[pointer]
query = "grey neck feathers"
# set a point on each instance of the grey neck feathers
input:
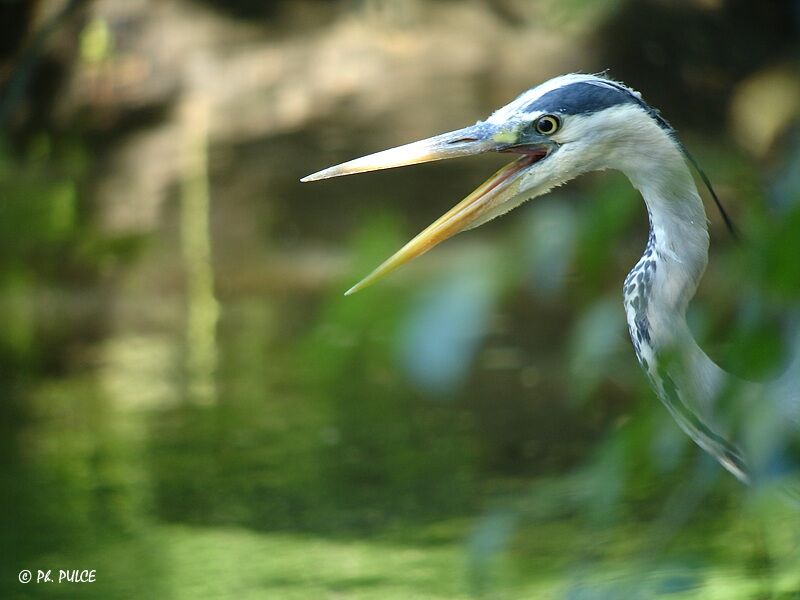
(657, 292)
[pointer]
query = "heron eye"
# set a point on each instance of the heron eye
(547, 124)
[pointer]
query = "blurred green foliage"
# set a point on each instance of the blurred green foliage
(477, 426)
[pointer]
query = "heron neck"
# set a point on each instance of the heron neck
(678, 241)
(657, 292)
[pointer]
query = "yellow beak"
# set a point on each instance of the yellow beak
(488, 201)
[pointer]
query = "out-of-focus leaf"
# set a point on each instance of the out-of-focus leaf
(549, 245)
(445, 326)
(596, 339)
(486, 546)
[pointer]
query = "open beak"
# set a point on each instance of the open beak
(492, 198)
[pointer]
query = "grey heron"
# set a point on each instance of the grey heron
(577, 123)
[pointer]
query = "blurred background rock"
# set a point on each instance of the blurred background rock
(190, 406)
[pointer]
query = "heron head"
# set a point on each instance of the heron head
(560, 129)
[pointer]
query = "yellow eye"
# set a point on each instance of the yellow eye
(547, 124)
